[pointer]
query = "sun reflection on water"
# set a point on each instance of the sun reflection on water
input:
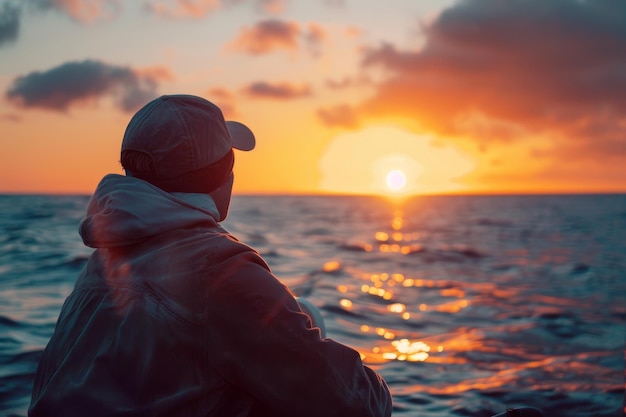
(332, 266)
(449, 309)
(390, 288)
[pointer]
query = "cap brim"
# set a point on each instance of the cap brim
(241, 136)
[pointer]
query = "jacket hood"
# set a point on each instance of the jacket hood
(125, 210)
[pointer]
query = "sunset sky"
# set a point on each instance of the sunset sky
(344, 96)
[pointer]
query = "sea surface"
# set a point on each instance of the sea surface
(466, 305)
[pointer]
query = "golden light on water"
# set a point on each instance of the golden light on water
(384, 284)
(384, 294)
(402, 350)
(391, 287)
(331, 266)
(396, 308)
(453, 306)
(399, 346)
(397, 222)
(381, 236)
(415, 351)
(396, 241)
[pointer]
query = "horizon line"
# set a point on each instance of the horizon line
(338, 194)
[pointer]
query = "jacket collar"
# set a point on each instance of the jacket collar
(125, 210)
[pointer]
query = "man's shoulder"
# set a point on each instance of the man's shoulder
(221, 246)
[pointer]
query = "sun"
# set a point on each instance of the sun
(390, 161)
(395, 180)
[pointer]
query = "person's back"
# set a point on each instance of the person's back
(173, 316)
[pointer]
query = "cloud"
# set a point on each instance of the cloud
(281, 91)
(9, 22)
(267, 36)
(272, 35)
(348, 82)
(10, 117)
(271, 6)
(76, 82)
(182, 8)
(197, 9)
(504, 70)
(84, 11)
(315, 35)
(225, 100)
(220, 93)
(341, 115)
(314, 38)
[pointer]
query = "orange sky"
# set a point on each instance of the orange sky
(474, 96)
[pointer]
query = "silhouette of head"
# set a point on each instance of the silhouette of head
(181, 143)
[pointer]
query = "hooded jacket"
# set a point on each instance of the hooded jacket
(173, 316)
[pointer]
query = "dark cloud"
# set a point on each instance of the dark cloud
(75, 82)
(277, 91)
(505, 67)
(9, 22)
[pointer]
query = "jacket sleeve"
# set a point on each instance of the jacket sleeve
(262, 343)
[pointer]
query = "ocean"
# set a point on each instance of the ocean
(466, 305)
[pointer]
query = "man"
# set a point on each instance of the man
(173, 316)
